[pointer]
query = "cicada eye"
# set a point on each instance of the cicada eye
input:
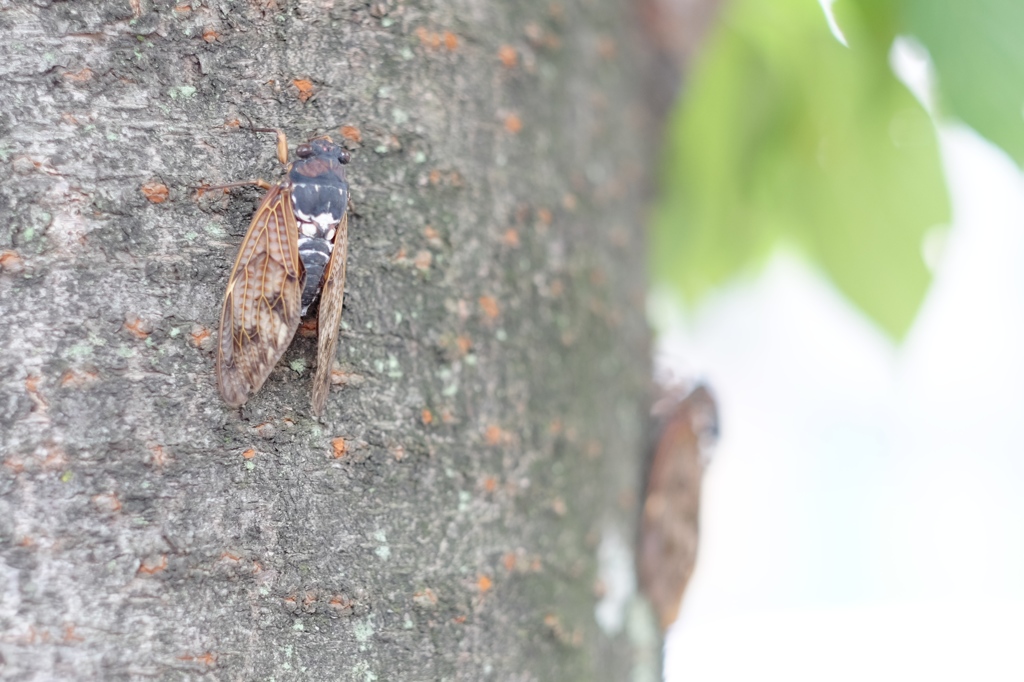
(303, 151)
(344, 156)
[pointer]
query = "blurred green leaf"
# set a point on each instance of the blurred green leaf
(977, 47)
(786, 136)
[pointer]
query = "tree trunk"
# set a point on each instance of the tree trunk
(465, 508)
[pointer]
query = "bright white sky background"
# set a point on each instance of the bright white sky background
(863, 515)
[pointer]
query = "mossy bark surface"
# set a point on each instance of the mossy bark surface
(467, 500)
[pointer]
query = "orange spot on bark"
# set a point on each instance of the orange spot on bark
(510, 238)
(509, 561)
(75, 379)
(136, 326)
(606, 47)
(249, 454)
(425, 598)
(107, 502)
(508, 56)
(423, 260)
(569, 202)
(308, 328)
(15, 464)
(451, 41)
(351, 133)
(156, 192)
(428, 38)
(483, 583)
(200, 336)
(513, 123)
(427, 417)
(490, 484)
(544, 216)
(434, 177)
(494, 435)
(152, 566)
(339, 446)
(70, 636)
(10, 261)
(305, 88)
(32, 386)
(228, 556)
(464, 343)
(206, 659)
(459, 620)
(432, 236)
(158, 456)
(210, 36)
(79, 76)
(490, 307)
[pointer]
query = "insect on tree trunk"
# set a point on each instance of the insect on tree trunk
(465, 508)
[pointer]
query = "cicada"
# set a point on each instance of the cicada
(293, 253)
(669, 523)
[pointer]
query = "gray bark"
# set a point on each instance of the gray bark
(493, 362)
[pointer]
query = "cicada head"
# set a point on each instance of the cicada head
(322, 147)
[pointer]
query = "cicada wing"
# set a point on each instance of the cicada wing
(263, 302)
(332, 297)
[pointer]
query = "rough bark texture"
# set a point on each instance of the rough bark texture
(463, 505)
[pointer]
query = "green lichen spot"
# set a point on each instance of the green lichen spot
(399, 116)
(297, 625)
(215, 230)
(393, 370)
(181, 91)
(67, 476)
(80, 349)
(250, 465)
(363, 630)
(419, 157)
(464, 499)
(387, 22)
(298, 365)
(174, 332)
